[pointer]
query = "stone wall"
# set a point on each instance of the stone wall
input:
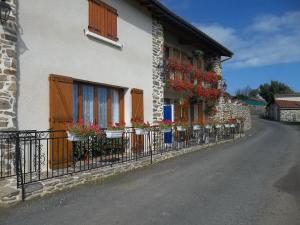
(8, 70)
(226, 108)
(233, 109)
(8, 86)
(290, 115)
(158, 80)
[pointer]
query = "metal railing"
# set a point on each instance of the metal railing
(39, 155)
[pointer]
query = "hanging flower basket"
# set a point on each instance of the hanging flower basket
(114, 133)
(141, 131)
(196, 127)
(74, 138)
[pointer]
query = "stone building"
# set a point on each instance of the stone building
(117, 62)
(103, 62)
(284, 111)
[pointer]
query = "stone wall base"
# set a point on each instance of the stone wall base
(10, 195)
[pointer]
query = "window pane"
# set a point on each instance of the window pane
(75, 103)
(115, 106)
(102, 107)
(88, 104)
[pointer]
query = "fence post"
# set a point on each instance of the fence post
(19, 172)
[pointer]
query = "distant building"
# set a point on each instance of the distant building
(256, 105)
(286, 108)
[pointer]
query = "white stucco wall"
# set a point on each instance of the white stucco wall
(52, 40)
(296, 99)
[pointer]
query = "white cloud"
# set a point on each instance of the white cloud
(269, 40)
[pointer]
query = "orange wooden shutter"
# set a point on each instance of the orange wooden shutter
(112, 24)
(97, 17)
(103, 19)
(122, 106)
(137, 98)
(200, 114)
(61, 101)
(177, 112)
(137, 104)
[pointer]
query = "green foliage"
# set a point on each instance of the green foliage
(246, 93)
(268, 90)
(99, 146)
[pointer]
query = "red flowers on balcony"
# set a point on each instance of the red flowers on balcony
(208, 93)
(212, 78)
(180, 85)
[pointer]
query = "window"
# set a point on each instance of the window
(115, 106)
(103, 19)
(102, 107)
(97, 104)
(88, 104)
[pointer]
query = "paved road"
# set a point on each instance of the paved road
(255, 180)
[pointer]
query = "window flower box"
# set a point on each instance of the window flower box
(140, 127)
(114, 133)
(181, 128)
(165, 125)
(196, 127)
(141, 131)
(74, 138)
(208, 127)
(166, 130)
(81, 132)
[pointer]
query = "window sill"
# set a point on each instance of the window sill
(103, 39)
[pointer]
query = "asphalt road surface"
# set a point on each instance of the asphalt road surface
(254, 180)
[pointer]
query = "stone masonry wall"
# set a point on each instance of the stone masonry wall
(158, 81)
(8, 86)
(227, 109)
(290, 115)
(8, 70)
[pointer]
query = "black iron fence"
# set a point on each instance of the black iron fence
(39, 155)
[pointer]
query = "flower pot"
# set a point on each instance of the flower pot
(181, 128)
(141, 131)
(74, 138)
(232, 125)
(196, 127)
(166, 130)
(114, 133)
(208, 126)
(227, 126)
(218, 126)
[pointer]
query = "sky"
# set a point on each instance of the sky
(263, 34)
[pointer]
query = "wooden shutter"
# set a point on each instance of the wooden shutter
(137, 104)
(200, 114)
(177, 112)
(61, 101)
(137, 98)
(112, 24)
(97, 17)
(181, 114)
(103, 19)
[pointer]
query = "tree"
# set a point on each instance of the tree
(268, 90)
(246, 93)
